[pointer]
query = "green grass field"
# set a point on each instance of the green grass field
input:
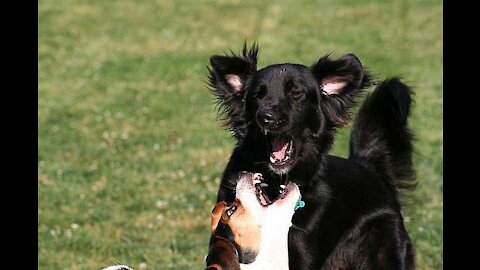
(130, 150)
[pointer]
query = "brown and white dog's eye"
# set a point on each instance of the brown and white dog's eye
(231, 210)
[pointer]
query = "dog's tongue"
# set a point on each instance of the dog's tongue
(279, 148)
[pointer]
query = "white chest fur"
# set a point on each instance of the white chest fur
(273, 254)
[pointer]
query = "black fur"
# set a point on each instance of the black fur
(352, 217)
(380, 137)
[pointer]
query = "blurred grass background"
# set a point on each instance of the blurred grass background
(130, 151)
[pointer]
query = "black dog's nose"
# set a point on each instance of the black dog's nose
(271, 119)
(266, 116)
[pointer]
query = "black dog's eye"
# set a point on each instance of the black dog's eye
(261, 92)
(296, 94)
(231, 210)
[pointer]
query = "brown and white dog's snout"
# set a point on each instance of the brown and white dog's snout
(248, 234)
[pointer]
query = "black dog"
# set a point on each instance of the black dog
(284, 118)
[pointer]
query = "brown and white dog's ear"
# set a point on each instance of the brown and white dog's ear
(217, 214)
(222, 255)
(340, 82)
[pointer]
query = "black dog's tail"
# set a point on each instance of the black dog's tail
(380, 138)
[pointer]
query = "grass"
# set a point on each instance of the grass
(130, 151)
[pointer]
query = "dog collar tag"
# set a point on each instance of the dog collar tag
(299, 204)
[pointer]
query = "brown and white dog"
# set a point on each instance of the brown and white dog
(247, 235)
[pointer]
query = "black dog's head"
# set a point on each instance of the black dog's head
(294, 108)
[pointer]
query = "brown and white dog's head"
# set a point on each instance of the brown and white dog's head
(239, 228)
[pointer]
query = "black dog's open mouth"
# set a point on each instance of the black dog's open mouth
(281, 153)
(266, 194)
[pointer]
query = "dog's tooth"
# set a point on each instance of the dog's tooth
(282, 186)
(257, 176)
(273, 160)
(257, 181)
(287, 157)
(263, 185)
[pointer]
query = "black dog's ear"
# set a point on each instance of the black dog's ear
(227, 78)
(340, 81)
